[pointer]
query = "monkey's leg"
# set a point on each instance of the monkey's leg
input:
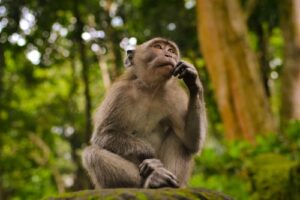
(176, 158)
(109, 170)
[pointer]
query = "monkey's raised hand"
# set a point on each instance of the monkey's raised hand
(189, 74)
(156, 175)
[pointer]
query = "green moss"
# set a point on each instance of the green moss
(270, 174)
(141, 196)
(144, 194)
(93, 198)
(187, 194)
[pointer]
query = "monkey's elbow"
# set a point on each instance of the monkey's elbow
(193, 149)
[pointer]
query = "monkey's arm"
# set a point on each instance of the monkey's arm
(195, 123)
(195, 117)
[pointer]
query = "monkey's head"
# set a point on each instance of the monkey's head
(156, 57)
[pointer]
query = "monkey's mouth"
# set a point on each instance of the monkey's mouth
(167, 63)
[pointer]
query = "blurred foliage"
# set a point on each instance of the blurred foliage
(268, 170)
(42, 101)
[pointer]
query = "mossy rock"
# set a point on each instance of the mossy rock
(143, 194)
(274, 177)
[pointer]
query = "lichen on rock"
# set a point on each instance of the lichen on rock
(143, 194)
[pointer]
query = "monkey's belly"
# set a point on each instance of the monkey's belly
(155, 139)
(154, 136)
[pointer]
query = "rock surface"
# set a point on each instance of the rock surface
(143, 194)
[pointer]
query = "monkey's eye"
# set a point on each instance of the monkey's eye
(157, 46)
(171, 50)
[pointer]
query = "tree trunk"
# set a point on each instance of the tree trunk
(234, 69)
(81, 180)
(263, 54)
(2, 66)
(84, 72)
(290, 24)
(85, 78)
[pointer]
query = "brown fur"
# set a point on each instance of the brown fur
(144, 115)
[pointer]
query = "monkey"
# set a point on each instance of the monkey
(148, 127)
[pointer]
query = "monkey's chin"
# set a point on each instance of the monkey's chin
(167, 67)
(166, 70)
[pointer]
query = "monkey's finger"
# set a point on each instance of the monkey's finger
(170, 181)
(143, 171)
(172, 176)
(153, 182)
(155, 162)
(178, 69)
(173, 183)
(148, 166)
(144, 164)
(147, 171)
(152, 163)
(147, 183)
(183, 73)
(141, 166)
(179, 63)
(192, 72)
(167, 173)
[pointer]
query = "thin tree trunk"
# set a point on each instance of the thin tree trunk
(74, 85)
(263, 54)
(102, 61)
(104, 71)
(233, 68)
(290, 24)
(84, 72)
(85, 78)
(81, 180)
(114, 52)
(2, 66)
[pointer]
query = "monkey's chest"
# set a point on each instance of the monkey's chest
(150, 123)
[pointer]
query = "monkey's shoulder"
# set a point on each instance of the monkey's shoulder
(124, 98)
(120, 90)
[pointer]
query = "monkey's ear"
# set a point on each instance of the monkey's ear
(129, 58)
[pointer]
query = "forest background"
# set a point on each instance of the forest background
(58, 58)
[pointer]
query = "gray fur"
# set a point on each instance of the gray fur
(145, 116)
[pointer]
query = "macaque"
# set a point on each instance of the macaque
(148, 128)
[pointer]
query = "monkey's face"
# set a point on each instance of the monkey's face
(158, 57)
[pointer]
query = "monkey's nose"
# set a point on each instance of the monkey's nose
(168, 55)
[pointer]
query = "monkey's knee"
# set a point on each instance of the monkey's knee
(89, 156)
(108, 170)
